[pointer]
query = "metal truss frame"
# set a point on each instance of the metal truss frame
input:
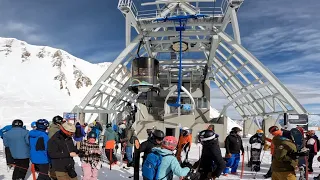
(249, 86)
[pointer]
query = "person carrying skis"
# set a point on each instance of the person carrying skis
(61, 151)
(162, 164)
(55, 126)
(17, 139)
(257, 142)
(90, 157)
(110, 141)
(79, 134)
(38, 148)
(312, 143)
(185, 141)
(211, 163)
(154, 141)
(285, 157)
(233, 144)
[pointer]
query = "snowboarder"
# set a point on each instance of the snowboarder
(313, 145)
(61, 151)
(185, 139)
(90, 157)
(257, 142)
(79, 134)
(110, 141)
(233, 144)
(211, 163)
(162, 164)
(154, 141)
(17, 139)
(38, 148)
(55, 126)
(285, 156)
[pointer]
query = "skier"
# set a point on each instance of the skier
(55, 126)
(233, 144)
(79, 134)
(185, 141)
(211, 163)
(313, 145)
(110, 141)
(17, 139)
(162, 164)
(9, 158)
(154, 141)
(90, 157)
(122, 135)
(33, 125)
(61, 151)
(285, 156)
(128, 143)
(257, 142)
(38, 148)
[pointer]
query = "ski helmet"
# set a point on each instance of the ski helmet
(169, 142)
(17, 123)
(273, 129)
(259, 131)
(158, 134)
(185, 131)
(33, 124)
(92, 134)
(236, 129)
(42, 124)
(57, 120)
(109, 125)
(207, 135)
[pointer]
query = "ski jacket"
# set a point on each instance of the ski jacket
(79, 134)
(233, 144)
(257, 139)
(90, 153)
(146, 147)
(110, 138)
(53, 128)
(4, 130)
(282, 162)
(17, 139)
(211, 159)
(59, 148)
(313, 144)
(185, 140)
(129, 136)
(169, 165)
(97, 131)
(38, 147)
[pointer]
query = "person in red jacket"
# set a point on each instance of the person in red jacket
(184, 139)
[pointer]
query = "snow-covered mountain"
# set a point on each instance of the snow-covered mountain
(40, 81)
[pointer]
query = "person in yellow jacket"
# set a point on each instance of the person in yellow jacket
(184, 139)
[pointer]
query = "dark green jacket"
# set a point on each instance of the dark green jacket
(110, 134)
(53, 128)
(129, 136)
(282, 162)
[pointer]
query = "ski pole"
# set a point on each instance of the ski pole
(242, 167)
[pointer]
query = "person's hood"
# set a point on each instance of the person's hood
(162, 151)
(109, 129)
(54, 126)
(36, 133)
(78, 126)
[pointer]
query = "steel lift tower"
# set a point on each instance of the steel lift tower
(209, 54)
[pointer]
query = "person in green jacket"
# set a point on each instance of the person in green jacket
(55, 126)
(110, 142)
(128, 141)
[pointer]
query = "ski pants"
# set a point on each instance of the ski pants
(89, 172)
(129, 153)
(310, 161)
(233, 163)
(9, 157)
(43, 170)
(269, 173)
(21, 168)
(284, 175)
(114, 157)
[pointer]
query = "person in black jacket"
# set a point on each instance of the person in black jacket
(257, 141)
(211, 163)
(154, 141)
(61, 151)
(233, 144)
(312, 143)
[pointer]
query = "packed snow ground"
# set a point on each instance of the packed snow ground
(118, 172)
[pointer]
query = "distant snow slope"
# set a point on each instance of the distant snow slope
(231, 123)
(40, 82)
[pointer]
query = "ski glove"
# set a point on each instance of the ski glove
(192, 175)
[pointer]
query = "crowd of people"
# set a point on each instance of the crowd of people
(51, 149)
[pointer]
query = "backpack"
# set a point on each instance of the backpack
(78, 133)
(151, 164)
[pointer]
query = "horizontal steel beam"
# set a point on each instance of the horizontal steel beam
(184, 40)
(204, 23)
(184, 33)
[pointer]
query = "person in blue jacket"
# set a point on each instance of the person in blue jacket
(9, 158)
(79, 134)
(17, 139)
(38, 148)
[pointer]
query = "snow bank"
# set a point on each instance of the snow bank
(231, 123)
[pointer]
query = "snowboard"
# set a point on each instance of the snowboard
(185, 152)
(297, 135)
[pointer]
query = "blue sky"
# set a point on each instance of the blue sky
(283, 34)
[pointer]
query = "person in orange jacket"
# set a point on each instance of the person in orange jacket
(184, 139)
